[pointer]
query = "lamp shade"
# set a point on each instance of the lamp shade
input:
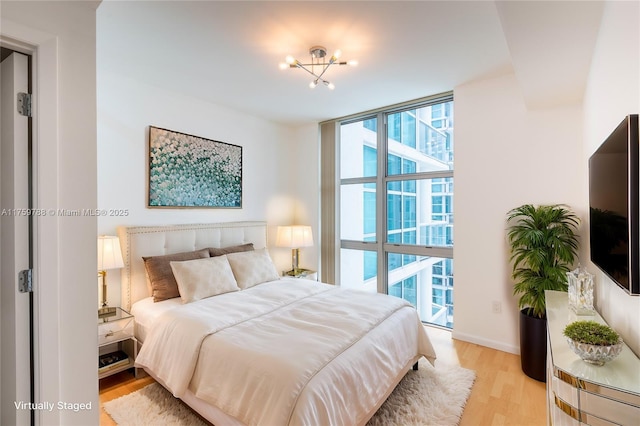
(109, 253)
(294, 236)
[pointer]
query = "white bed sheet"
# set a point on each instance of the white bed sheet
(146, 312)
(363, 375)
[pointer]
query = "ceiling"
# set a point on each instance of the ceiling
(228, 52)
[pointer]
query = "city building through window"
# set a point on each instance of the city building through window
(395, 204)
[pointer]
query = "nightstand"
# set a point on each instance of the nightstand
(302, 273)
(115, 337)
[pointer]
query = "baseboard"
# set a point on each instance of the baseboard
(500, 346)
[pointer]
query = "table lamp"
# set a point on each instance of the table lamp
(294, 237)
(109, 257)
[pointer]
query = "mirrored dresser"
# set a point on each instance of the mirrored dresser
(583, 394)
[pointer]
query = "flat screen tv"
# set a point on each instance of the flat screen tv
(614, 206)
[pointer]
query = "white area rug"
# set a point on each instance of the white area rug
(429, 396)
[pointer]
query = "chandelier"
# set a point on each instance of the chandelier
(318, 65)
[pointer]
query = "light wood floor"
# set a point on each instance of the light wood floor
(501, 394)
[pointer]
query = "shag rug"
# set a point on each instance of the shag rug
(429, 396)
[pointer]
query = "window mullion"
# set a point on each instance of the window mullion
(358, 245)
(420, 176)
(355, 181)
(381, 203)
(444, 252)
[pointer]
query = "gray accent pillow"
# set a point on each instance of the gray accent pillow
(215, 251)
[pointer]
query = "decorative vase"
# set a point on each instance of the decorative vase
(595, 354)
(580, 291)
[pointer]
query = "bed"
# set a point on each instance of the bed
(252, 348)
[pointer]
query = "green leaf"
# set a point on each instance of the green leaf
(543, 245)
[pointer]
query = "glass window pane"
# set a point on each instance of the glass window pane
(409, 166)
(409, 290)
(369, 213)
(371, 124)
(394, 261)
(436, 205)
(394, 212)
(409, 186)
(359, 270)
(358, 145)
(396, 290)
(393, 127)
(423, 284)
(409, 211)
(394, 167)
(370, 264)
(409, 129)
(420, 210)
(357, 212)
(402, 128)
(370, 161)
(408, 237)
(395, 237)
(423, 136)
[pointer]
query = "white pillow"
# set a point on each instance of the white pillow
(252, 267)
(201, 278)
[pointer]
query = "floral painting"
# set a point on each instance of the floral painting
(189, 171)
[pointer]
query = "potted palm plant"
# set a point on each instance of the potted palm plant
(543, 245)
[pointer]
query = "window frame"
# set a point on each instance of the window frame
(331, 182)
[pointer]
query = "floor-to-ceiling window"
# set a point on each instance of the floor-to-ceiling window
(396, 205)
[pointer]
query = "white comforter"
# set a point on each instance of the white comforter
(275, 354)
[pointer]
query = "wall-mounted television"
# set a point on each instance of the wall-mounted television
(614, 205)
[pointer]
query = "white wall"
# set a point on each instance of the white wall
(272, 159)
(65, 162)
(614, 92)
(305, 163)
(506, 156)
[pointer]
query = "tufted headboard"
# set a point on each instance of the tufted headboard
(139, 241)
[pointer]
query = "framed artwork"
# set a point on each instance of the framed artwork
(190, 171)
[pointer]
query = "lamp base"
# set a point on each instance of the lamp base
(106, 312)
(298, 273)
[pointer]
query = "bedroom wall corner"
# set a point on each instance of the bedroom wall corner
(506, 155)
(305, 167)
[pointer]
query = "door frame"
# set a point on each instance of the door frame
(18, 343)
(43, 50)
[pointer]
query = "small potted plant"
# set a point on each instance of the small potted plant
(595, 343)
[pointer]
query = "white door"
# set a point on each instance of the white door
(15, 352)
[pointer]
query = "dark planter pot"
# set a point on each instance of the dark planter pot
(533, 346)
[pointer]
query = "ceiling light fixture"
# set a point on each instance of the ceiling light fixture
(318, 65)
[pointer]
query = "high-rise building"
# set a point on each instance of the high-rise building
(417, 183)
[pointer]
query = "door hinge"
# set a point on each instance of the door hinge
(24, 104)
(25, 281)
